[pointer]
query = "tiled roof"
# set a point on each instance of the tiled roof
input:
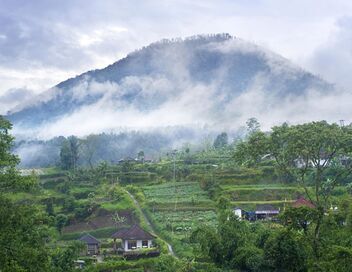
(133, 233)
(265, 207)
(89, 239)
(302, 202)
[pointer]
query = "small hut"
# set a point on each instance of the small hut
(133, 238)
(93, 244)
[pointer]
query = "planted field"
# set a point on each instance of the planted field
(177, 226)
(183, 222)
(180, 192)
(263, 194)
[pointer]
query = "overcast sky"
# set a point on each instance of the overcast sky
(43, 42)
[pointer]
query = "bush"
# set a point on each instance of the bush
(249, 258)
(283, 252)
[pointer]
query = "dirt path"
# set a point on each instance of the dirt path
(146, 220)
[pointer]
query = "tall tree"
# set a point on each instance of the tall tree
(9, 176)
(74, 144)
(65, 156)
(22, 231)
(252, 125)
(69, 153)
(221, 140)
(90, 145)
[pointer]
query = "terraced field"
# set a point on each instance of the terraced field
(180, 192)
(182, 223)
(176, 209)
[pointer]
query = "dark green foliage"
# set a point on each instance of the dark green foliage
(249, 258)
(62, 259)
(299, 218)
(60, 221)
(65, 156)
(69, 204)
(49, 203)
(22, 238)
(69, 153)
(222, 244)
(284, 252)
(22, 227)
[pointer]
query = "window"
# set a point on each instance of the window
(132, 244)
(145, 243)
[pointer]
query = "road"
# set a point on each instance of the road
(146, 220)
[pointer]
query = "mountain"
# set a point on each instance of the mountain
(202, 80)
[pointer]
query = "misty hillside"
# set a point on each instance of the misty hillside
(214, 80)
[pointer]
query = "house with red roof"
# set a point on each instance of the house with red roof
(302, 202)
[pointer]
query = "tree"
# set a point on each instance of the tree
(69, 153)
(249, 258)
(221, 244)
(22, 238)
(10, 180)
(299, 218)
(284, 253)
(221, 140)
(62, 259)
(252, 125)
(308, 153)
(61, 221)
(22, 231)
(65, 156)
(49, 206)
(140, 156)
(90, 145)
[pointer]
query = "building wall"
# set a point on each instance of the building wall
(92, 249)
(139, 244)
(238, 213)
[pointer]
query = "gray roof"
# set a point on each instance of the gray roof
(133, 233)
(266, 207)
(89, 239)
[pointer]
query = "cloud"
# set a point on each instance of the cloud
(272, 110)
(13, 98)
(196, 107)
(50, 41)
(333, 59)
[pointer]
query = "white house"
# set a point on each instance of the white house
(134, 238)
(240, 213)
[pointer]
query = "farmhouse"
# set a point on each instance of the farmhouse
(133, 238)
(92, 244)
(266, 211)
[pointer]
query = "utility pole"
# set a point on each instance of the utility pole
(174, 152)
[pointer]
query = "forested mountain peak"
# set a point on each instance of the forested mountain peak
(203, 79)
